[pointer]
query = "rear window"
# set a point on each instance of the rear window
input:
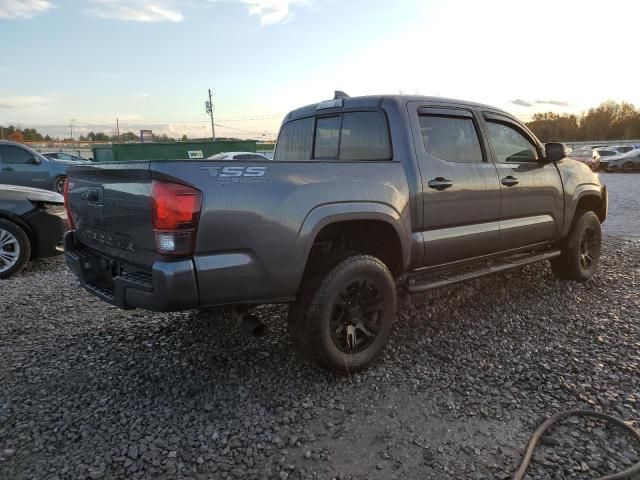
(351, 136)
(327, 137)
(364, 137)
(295, 141)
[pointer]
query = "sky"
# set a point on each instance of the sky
(149, 63)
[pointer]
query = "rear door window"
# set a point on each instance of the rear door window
(451, 138)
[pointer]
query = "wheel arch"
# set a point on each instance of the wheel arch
(586, 197)
(369, 217)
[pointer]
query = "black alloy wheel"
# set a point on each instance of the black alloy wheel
(355, 317)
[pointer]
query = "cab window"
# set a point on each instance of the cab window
(327, 137)
(364, 136)
(295, 141)
(352, 137)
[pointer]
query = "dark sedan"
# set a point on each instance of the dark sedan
(32, 223)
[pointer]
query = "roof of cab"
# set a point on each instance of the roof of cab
(374, 101)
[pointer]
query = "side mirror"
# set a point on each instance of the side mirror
(555, 152)
(34, 161)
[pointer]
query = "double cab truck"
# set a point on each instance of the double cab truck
(365, 197)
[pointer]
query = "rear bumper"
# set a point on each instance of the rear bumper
(166, 286)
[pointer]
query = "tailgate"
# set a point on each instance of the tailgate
(111, 207)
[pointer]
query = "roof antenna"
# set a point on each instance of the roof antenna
(339, 94)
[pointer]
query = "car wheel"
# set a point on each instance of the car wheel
(15, 248)
(581, 250)
(59, 185)
(628, 167)
(344, 322)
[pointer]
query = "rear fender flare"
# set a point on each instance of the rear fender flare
(327, 214)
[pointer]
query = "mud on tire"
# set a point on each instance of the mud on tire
(343, 320)
(581, 250)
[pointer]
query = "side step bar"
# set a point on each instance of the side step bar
(419, 287)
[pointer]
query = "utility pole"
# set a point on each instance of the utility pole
(117, 129)
(209, 106)
(71, 122)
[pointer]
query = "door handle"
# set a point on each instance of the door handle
(440, 183)
(509, 181)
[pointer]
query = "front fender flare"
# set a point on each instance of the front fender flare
(580, 192)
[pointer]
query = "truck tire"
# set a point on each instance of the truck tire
(344, 321)
(581, 249)
(15, 248)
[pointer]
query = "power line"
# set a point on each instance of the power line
(243, 130)
(244, 107)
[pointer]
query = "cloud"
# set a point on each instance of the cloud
(271, 11)
(25, 101)
(525, 103)
(522, 103)
(557, 103)
(137, 10)
(23, 8)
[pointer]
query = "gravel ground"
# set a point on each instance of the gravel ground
(89, 391)
(624, 211)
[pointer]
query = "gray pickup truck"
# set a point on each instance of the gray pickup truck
(365, 197)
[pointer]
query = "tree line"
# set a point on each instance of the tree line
(609, 121)
(19, 135)
(16, 134)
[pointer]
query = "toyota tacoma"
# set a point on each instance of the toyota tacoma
(365, 197)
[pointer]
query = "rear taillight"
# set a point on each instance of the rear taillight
(67, 206)
(175, 211)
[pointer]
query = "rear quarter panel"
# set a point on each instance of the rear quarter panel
(255, 232)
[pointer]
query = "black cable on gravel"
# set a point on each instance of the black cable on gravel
(547, 424)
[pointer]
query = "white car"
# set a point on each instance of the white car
(238, 156)
(620, 149)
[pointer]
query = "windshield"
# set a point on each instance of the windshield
(607, 153)
(581, 153)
